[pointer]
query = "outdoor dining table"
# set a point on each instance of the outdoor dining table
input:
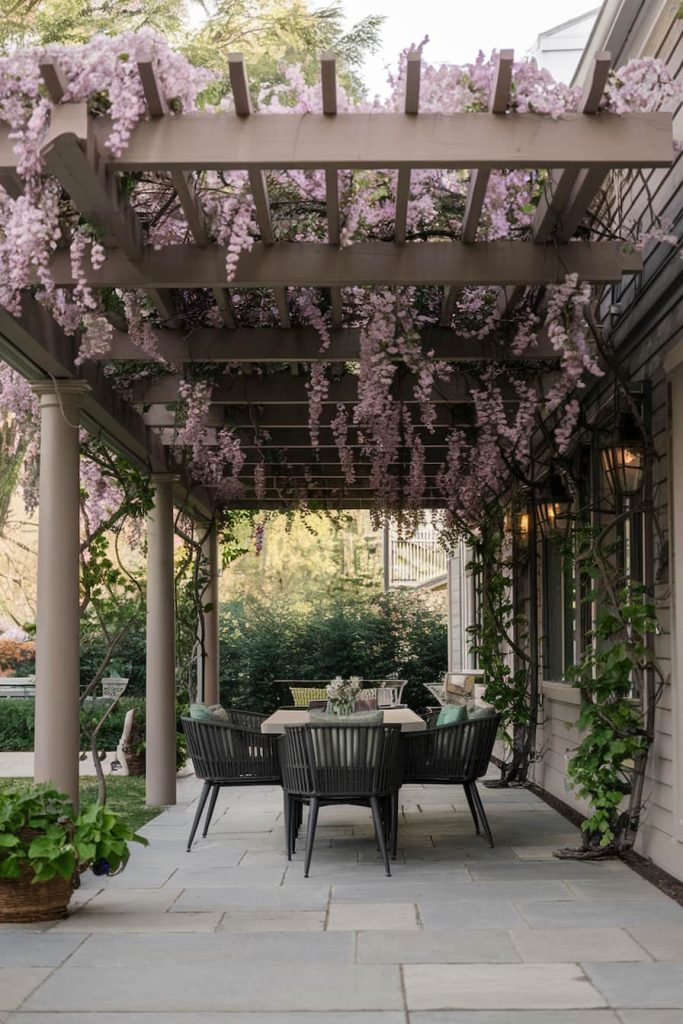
(280, 719)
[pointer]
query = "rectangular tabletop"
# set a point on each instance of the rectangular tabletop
(407, 719)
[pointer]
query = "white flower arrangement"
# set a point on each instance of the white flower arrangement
(344, 689)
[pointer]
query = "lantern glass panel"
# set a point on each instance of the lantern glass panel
(624, 466)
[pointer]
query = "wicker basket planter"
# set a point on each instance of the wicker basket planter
(23, 901)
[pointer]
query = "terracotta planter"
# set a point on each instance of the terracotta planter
(22, 901)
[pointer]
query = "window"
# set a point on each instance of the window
(559, 611)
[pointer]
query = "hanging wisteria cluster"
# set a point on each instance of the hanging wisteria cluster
(479, 456)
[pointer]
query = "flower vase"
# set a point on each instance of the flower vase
(342, 706)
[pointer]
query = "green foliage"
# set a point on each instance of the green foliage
(507, 689)
(271, 33)
(17, 724)
(31, 22)
(615, 654)
(125, 796)
(40, 830)
(372, 635)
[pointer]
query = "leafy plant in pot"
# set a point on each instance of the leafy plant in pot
(45, 846)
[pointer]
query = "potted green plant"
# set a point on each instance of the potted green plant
(45, 846)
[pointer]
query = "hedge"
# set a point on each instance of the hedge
(16, 722)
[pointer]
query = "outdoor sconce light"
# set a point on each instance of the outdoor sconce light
(521, 528)
(553, 508)
(623, 457)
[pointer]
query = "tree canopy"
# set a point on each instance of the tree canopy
(268, 32)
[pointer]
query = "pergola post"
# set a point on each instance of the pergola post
(161, 711)
(57, 727)
(208, 657)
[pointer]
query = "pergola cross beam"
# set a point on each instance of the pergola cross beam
(562, 203)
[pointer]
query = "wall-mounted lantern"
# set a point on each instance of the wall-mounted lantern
(553, 507)
(623, 457)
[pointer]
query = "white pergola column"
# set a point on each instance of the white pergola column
(208, 660)
(57, 727)
(161, 714)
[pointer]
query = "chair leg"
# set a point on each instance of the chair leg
(394, 825)
(471, 805)
(379, 832)
(209, 813)
(310, 835)
(198, 813)
(481, 814)
(287, 802)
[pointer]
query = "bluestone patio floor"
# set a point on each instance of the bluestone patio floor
(233, 934)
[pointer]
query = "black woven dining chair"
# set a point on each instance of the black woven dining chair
(456, 754)
(230, 753)
(340, 764)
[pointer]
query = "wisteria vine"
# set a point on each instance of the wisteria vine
(398, 376)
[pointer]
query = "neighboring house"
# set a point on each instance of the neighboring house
(419, 562)
(559, 49)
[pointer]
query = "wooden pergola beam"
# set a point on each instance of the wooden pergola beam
(549, 212)
(479, 179)
(223, 300)
(276, 502)
(327, 454)
(302, 345)
(257, 177)
(95, 195)
(328, 78)
(268, 416)
(276, 388)
(224, 141)
(315, 264)
(411, 107)
(181, 180)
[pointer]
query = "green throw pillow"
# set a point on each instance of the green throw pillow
(451, 714)
(204, 713)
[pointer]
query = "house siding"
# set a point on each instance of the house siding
(649, 324)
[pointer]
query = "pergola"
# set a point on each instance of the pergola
(579, 151)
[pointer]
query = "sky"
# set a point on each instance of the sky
(458, 29)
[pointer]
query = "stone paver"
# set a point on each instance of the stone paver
(517, 1017)
(232, 933)
(16, 983)
(247, 987)
(498, 986)
(376, 916)
(215, 948)
(37, 949)
(272, 921)
(456, 946)
(656, 986)
(569, 945)
(661, 942)
(315, 1017)
(650, 1016)
(600, 913)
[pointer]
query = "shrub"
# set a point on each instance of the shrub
(376, 636)
(17, 726)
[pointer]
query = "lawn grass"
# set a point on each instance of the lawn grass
(125, 795)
